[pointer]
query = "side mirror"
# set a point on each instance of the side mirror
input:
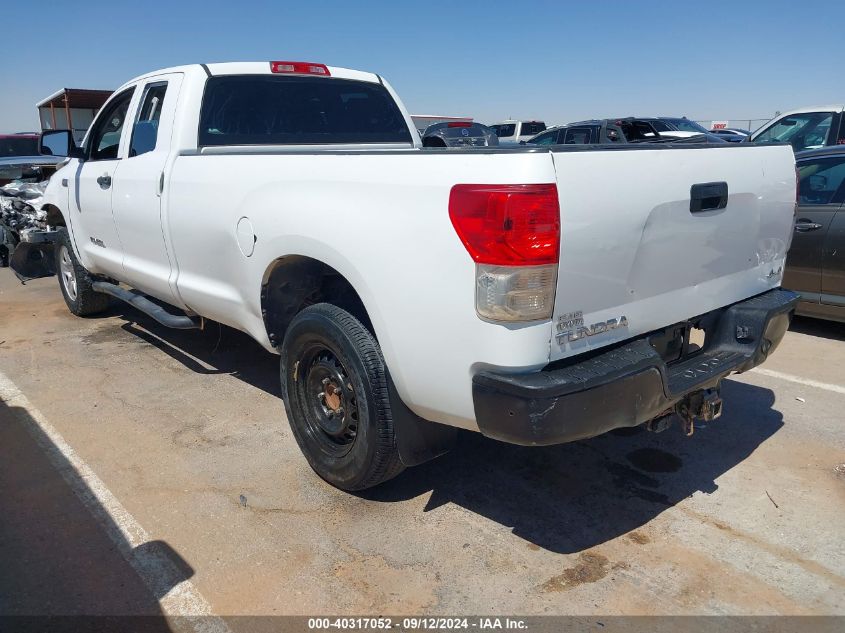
(59, 143)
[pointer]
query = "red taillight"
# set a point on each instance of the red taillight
(459, 124)
(302, 68)
(507, 225)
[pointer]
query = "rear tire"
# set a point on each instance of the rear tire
(334, 386)
(76, 282)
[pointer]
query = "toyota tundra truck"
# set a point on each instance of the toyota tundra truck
(538, 295)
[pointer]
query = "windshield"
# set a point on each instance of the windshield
(803, 131)
(685, 125)
(18, 146)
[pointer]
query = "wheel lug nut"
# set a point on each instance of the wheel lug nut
(326, 381)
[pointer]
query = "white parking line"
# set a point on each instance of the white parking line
(801, 381)
(154, 568)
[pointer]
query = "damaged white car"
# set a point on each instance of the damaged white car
(23, 223)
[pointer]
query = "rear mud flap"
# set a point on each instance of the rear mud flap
(33, 261)
(417, 440)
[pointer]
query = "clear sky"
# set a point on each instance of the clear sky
(556, 61)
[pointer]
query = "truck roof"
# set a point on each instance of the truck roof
(252, 68)
(831, 107)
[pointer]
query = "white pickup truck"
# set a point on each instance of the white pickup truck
(538, 295)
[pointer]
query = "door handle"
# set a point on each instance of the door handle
(104, 181)
(803, 226)
(708, 196)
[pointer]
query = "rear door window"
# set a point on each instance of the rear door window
(504, 130)
(531, 128)
(276, 110)
(821, 180)
(638, 130)
(578, 136)
(145, 130)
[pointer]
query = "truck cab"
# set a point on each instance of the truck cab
(514, 132)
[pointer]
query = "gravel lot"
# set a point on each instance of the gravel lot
(134, 458)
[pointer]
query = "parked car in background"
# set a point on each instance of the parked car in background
(681, 127)
(574, 134)
(804, 128)
(20, 159)
(27, 168)
(731, 134)
(815, 265)
(731, 130)
(23, 175)
(22, 144)
(423, 121)
(513, 132)
(625, 130)
(459, 134)
(681, 124)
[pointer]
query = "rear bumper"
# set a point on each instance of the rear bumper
(630, 384)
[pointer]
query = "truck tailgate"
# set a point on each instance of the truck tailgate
(636, 255)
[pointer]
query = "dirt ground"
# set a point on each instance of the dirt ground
(187, 432)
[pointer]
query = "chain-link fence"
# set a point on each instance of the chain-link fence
(745, 124)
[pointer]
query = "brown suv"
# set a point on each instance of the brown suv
(815, 266)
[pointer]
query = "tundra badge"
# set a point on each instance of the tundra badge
(571, 327)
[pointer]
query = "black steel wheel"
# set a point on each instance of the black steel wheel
(332, 418)
(334, 386)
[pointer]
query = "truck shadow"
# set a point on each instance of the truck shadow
(61, 552)
(565, 498)
(572, 497)
(818, 327)
(217, 349)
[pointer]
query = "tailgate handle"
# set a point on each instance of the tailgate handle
(708, 196)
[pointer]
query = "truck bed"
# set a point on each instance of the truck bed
(630, 246)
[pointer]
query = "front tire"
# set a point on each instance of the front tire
(76, 282)
(334, 386)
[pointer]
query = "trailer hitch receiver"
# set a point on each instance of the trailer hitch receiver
(705, 405)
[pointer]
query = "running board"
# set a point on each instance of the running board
(137, 300)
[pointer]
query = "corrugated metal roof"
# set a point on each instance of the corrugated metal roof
(76, 98)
